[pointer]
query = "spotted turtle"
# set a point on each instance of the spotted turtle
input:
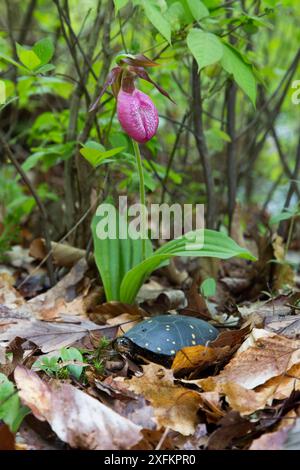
(160, 337)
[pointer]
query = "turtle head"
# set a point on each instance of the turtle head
(123, 346)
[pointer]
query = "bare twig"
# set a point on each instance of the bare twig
(201, 145)
(231, 150)
(295, 176)
(230, 128)
(25, 26)
(172, 155)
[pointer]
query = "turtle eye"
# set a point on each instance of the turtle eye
(122, 345)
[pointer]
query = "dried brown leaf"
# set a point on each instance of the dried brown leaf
(62, 299)
(51, 336)
(76, 418)
(269, 357)
(174, 406)
(196, 357)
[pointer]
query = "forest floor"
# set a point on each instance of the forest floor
(74, 391)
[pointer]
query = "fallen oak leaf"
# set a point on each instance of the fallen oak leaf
(196, 357)
(232, 338)
(284, 385)
(51, 336)
(243, 400)
(174, 406)
(269, 357)
(199, 357)
(62, 298)
(247, 401)
(254, 336)
(77, 418)
(62, 254)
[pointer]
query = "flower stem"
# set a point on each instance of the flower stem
(142, 194)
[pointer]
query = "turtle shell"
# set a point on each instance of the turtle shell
(167, 334)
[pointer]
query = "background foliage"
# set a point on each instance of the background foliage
(232, 136)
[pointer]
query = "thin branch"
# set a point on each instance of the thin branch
(201, 145)
(121, 32)
(295, 176)
(25, 26)
(231, 150)
(282, 157)
(172, 155)
(291, 191)
(271, 192)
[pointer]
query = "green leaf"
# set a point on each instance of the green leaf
(52, 153)
(175, 15)
(28, 57)
(45, 68)
(11, 410)
(115, 256)
(205, 47)
(44, 49)
(9, 60)
(208, 287)
(33, 160)
(284, 215)
(242, 72)
(95, 153)
(119, 4)
(72, 354)
(215, 245)
(155, 16)
(198, 9)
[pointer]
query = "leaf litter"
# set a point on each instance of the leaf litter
(236, 392)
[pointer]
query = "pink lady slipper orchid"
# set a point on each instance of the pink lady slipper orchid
(136, 112)
(137, 115)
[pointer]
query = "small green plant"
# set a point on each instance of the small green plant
(12, 412)
(99, 366)
(56, 366)
(33, 60)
